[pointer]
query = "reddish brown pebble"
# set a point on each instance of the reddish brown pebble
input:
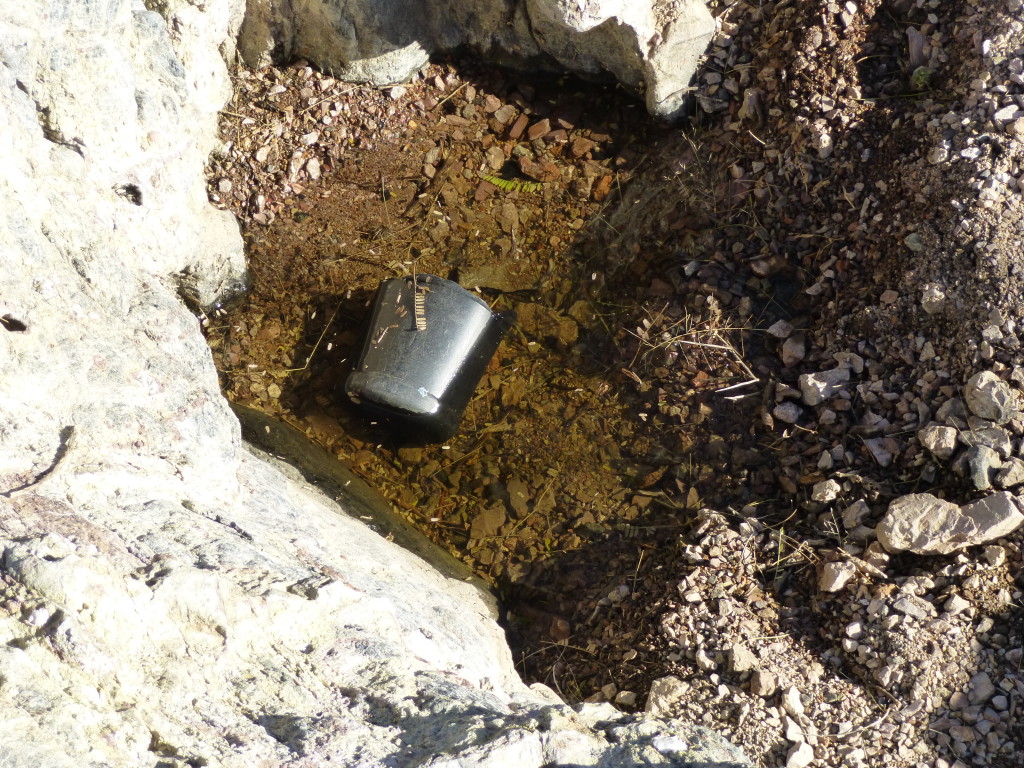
(560, 629)
(539, 171)
(602, 187)
(484, 191)
(539, 129)
(558, 137)
(518, 127)
(581, 147)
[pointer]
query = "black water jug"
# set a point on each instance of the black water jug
(428, 343)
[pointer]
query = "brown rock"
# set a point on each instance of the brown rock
(581, 147)
(539, 129)
(542, 171)
(518, 127)
(487, 523)
(505, 114)
(601, 188)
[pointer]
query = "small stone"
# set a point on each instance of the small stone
(914, 242)
(991, 398)
(816, 388)
(788, 412)
(956, 604)
(800, 756)
(664, 693)
(38, 617)
(517, 127)
(309, 139)
(933, 298)
(538, 129)
(939, 440)
(793, 732)
(854, 514)
(913, 606)
(741, 659)
(889, 297)
(495, 157)
(396, 92)
(618, 594)
(994, 555)
(878, 447)
(1007, 114)
(313, 169)
(487, 523)
(826, 491)
(835, 576)
(996, 438)
(926, 525)
(705, 662)
(505, 114)
(981, 462)
(625, 698)
(794, 349)
(781, 329)
(791, 702)
(763, 683)
(982, 688)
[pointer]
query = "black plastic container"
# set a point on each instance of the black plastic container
(427, 345)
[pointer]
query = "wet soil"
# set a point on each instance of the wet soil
(571, 468)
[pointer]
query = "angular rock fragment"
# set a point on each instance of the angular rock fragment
(816, 388)
(763, 683)
(794, 349)
(788, 412)
(826, 491)
(939, 440)
(991, 398)
(834, 576)
(981, 462)
(882, 449)
(996, 438)
(741, 659)
(915, 607)
(994, 516)
(926, 525)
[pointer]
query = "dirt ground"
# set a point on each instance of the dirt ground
(624, 475)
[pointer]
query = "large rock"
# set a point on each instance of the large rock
(989, 397)
(651, 46)
(927, 525)
(167, 596)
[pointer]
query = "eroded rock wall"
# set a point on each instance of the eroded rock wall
(167, 596)
(651, 47)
